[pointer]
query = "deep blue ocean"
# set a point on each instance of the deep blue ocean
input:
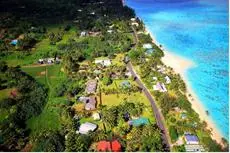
(197, 30)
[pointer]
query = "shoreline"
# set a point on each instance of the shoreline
(181, 65)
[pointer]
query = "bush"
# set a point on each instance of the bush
(173, 133)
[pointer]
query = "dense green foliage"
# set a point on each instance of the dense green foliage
(27, 99)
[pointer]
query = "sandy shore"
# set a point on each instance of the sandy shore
(181, 65)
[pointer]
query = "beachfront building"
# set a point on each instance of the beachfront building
(104, 62)
(91, 86)
(167, 80)
(147, 46)
(135, 24)
(159, 87)
(86, 127)
(191, 139)
(133, 19)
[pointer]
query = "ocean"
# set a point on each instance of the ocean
(197, 30)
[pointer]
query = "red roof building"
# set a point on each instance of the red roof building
(113, 146)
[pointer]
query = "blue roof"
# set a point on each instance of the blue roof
(126, 83)
(190, 137)
(14, 42)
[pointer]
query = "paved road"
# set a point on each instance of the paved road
(156, 112)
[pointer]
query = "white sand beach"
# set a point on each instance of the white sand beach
(181, 65)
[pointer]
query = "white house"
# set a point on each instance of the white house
(104, 62)
(83, 34)
(135, 24)
(86, 127)
(160, 87)
(167, 80)
(147, 46)
(109, 31)
(133, 19)
(96, 116)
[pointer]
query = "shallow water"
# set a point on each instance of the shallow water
(198, 30)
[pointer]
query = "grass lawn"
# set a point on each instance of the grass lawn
(4, 93)
(118, 60)
(52, 116)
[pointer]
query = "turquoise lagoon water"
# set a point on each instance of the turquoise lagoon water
(198, 30)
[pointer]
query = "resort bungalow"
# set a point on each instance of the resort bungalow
(167, 80)
(104, 62)
(86, 127)
(138, 122)
(159, 87)
(109, 146)
(14, 42)
(147, 46)
(91, 86)
(128, 74)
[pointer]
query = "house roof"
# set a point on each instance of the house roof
(91, 86)
(14, 42)
(114, 146)
(147, 46)
(86, 127)
(190, 137)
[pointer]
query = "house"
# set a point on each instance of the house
(159, 87)
(183, 116)
(41, 61)
(96, 116)
(83, 34)
(97, 71)
(109, 31)
(104, 62)
(147, 46)
(79, 10)
(149, 51)
(14, 42)
(139, 121)
(50, 60)
(91, 86)
(167, 80)
(135, 24)
(90, 102)
(92, 13)
(125, 84)
(194, 148)
(91, 105)
(110, 146)
(191, 139)
(86, 127)
(133, 19)
(155, 78)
